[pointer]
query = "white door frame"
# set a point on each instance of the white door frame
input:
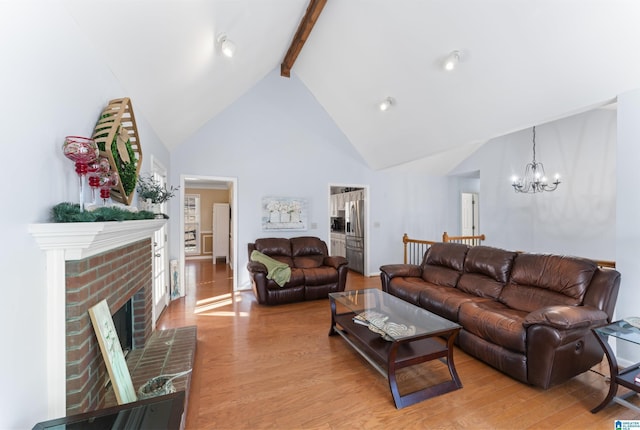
(159, 303)
(234, 221)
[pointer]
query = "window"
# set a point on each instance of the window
(192, 223)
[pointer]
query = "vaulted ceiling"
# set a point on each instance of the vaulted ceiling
(522, 63)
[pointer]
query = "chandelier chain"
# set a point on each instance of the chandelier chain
(534, 144)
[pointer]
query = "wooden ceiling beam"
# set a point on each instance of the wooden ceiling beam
(304, 29)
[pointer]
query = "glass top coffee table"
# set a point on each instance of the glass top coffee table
(623, 331)
(392, 334)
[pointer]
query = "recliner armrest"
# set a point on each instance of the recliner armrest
(335, 261)
(567, 317)
(395, 270)
(256, 267)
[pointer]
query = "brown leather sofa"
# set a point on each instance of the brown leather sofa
(314, 274)
(528, 315)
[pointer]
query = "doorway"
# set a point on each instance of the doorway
(469, 214)
(204, 186)
(349, 224)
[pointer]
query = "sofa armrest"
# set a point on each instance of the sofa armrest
(567, 317)
(335, 261)
(256, 267)
(390, 271)
(395, 270)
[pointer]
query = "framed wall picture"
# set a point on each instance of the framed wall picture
(284, 213)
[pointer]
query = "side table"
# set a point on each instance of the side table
(619, 376)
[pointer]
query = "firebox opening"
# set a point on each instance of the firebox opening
(123, 322)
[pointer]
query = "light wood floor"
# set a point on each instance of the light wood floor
(276, 367)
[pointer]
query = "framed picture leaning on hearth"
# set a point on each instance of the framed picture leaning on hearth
(284, 213)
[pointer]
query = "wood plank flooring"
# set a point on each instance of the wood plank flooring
(259, 367)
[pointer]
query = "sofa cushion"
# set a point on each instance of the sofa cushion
(445, 301)
(275, 247)
(320, 275)
(308, 252)
(308, 245)
(445, 262)
(486, 270)
(545, 280)
(407, 288)
(495, 322)
(308, 261)
(297, 279)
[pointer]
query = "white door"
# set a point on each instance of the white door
(469, 214)
(160, 259)
(221, 231)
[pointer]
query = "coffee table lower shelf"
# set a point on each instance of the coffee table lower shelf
(388, 356)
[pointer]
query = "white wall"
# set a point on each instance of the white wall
(278, 141)
(52, 85)
(579, 218)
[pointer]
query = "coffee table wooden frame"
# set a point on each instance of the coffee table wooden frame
(389, 356)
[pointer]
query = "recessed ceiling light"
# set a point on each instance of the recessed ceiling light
(451, 61)
(386, 104)
(227, 47)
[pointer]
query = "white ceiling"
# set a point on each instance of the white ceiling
(524, 62)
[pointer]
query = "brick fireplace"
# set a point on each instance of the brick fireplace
(87, 262)
(118, 275)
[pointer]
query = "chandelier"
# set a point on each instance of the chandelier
(534, 180)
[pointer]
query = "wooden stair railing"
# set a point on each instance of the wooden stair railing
(414, 249)
(606, 264)
(467, 240)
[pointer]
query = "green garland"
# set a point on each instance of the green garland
(70, 212)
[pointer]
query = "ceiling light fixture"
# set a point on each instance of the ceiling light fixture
(386, 104)
(535, 180)
(227, 47)
(451, 61)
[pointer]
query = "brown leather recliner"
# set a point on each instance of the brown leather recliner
(528, 315)
(314, 274)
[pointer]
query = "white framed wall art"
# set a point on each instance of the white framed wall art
(284, 213)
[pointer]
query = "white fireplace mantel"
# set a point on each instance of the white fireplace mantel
(66, 242)
(80, 240)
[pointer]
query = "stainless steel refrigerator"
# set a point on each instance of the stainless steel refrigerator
(354, 228)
